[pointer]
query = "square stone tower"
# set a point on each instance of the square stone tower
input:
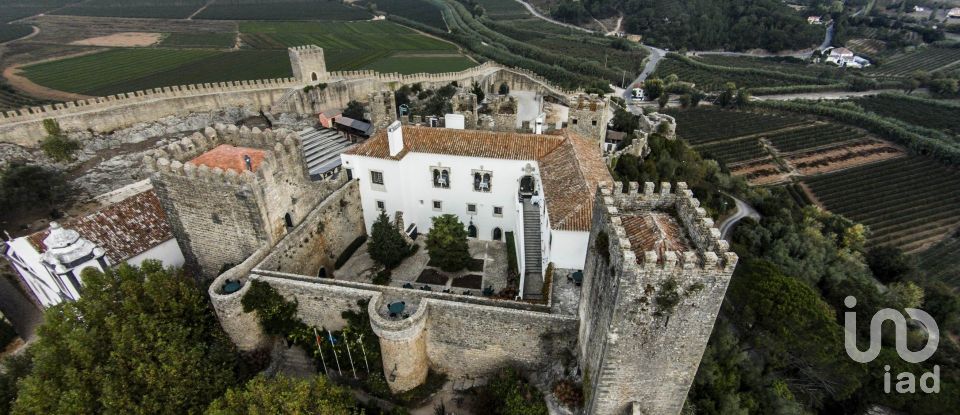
(230, 191)
(382, 109)
(655, 276)
(308, 63)
(588, 116)
(465, 104)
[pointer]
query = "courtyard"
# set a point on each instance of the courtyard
(486, 275)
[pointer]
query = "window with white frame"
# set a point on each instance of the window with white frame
(498, 211)
(482, 181)
(437, 205)
(471, 208)
(376, 177)
(441, 177)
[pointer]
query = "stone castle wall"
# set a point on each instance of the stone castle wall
(635, 353)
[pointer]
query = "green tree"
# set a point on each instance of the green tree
(653, 87)
(354, 110)
(447, 243)
(30, 187)
(387, 245)
(727, 97)
(285, 395)
(15, 368)
(139, 341)
(888, 263)
(663, 100)
(56, 145)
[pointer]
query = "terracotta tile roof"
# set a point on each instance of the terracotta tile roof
(228, 157)
(570, 176)
(124, 230)
(654, 231)
(571, 166)
(471, 143)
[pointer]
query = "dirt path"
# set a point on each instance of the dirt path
(190, 17)
(36, 31)
(616, 29)
(20, 82)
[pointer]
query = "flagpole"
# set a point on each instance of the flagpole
(346, 343)
(362, 349)
(333, 345)
(316, 337)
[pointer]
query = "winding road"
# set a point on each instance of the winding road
(535, 12)
(744, 210)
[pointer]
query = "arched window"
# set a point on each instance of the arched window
(497, 234)
(441, 177)
(313, 75)
(322, 273)
(288, 220)
(472, 231)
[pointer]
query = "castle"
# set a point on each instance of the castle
(243, 207)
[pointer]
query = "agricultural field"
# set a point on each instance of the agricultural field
(785, 65)
(159, 9)
(327, 10)
(503, 9)
(940, 115)
(199, 40)
(708, 79)
(927, 59)
(941, 262)
(10, 32)
(812, 137)
(11, 99)
(868, 46)
(421, 11)
(124, 70)
(703, 125)
(381, 46)
(908, 202)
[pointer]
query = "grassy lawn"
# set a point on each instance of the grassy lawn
(126, 70)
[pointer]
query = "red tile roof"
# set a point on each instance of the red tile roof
(124, 230)
(228, 157)
(571, 166)
(654, 231)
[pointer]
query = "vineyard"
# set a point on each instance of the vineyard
(907, 202)
(812, 137)
(12, 99)
(125, 70)
(785, 65)
(199, 40)
(503, 9)
(941, 262)
(703, 125)
(714, 78)
(941, 115)
(282, 10)
(421, 11)
(927, 59)
(10, 32)
(159, 9)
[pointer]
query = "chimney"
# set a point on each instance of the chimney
(395, 138)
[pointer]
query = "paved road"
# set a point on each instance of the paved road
(743, 211)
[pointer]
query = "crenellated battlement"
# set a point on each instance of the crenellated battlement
(708, 251)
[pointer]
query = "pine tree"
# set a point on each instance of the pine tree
(447, 243)
(387, 245)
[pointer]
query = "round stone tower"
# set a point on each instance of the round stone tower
(403, 343)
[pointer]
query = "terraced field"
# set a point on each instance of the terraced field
(734, 151)
(907, 202)
(10, 99)
(927, 59)
(812, 137)
(941, 115)
(941, 262)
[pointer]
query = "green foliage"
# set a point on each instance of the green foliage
(277, 316)
(387, 246)
(507, 393)
(56, 145)
(282, 394)
(382, 277)
(7, 333)
(667, 297)
(349, 251)
(447, 243)
(653, 87)
(354, 110)
(139, 340)
(15, 368)
(888, 263)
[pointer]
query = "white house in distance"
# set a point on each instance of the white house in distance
(131, 230)
(844, 57)
(540, 187)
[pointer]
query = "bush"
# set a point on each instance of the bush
(447, 243)
(29, 187)
(56, 145)
(508, 393)
(347, 253)
(387, 246)
(277, 316)
(568, 393)
(382, 278)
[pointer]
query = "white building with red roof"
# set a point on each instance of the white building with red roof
(131, 230)
(539, 187)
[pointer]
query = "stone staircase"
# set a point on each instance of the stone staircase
(294, 362)
(533, 257)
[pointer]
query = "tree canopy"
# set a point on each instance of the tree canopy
(447, 243)
(387, 245)
(285, 395)
(138, 341)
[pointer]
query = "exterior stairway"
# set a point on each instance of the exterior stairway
(533, 257)
(296, 363)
